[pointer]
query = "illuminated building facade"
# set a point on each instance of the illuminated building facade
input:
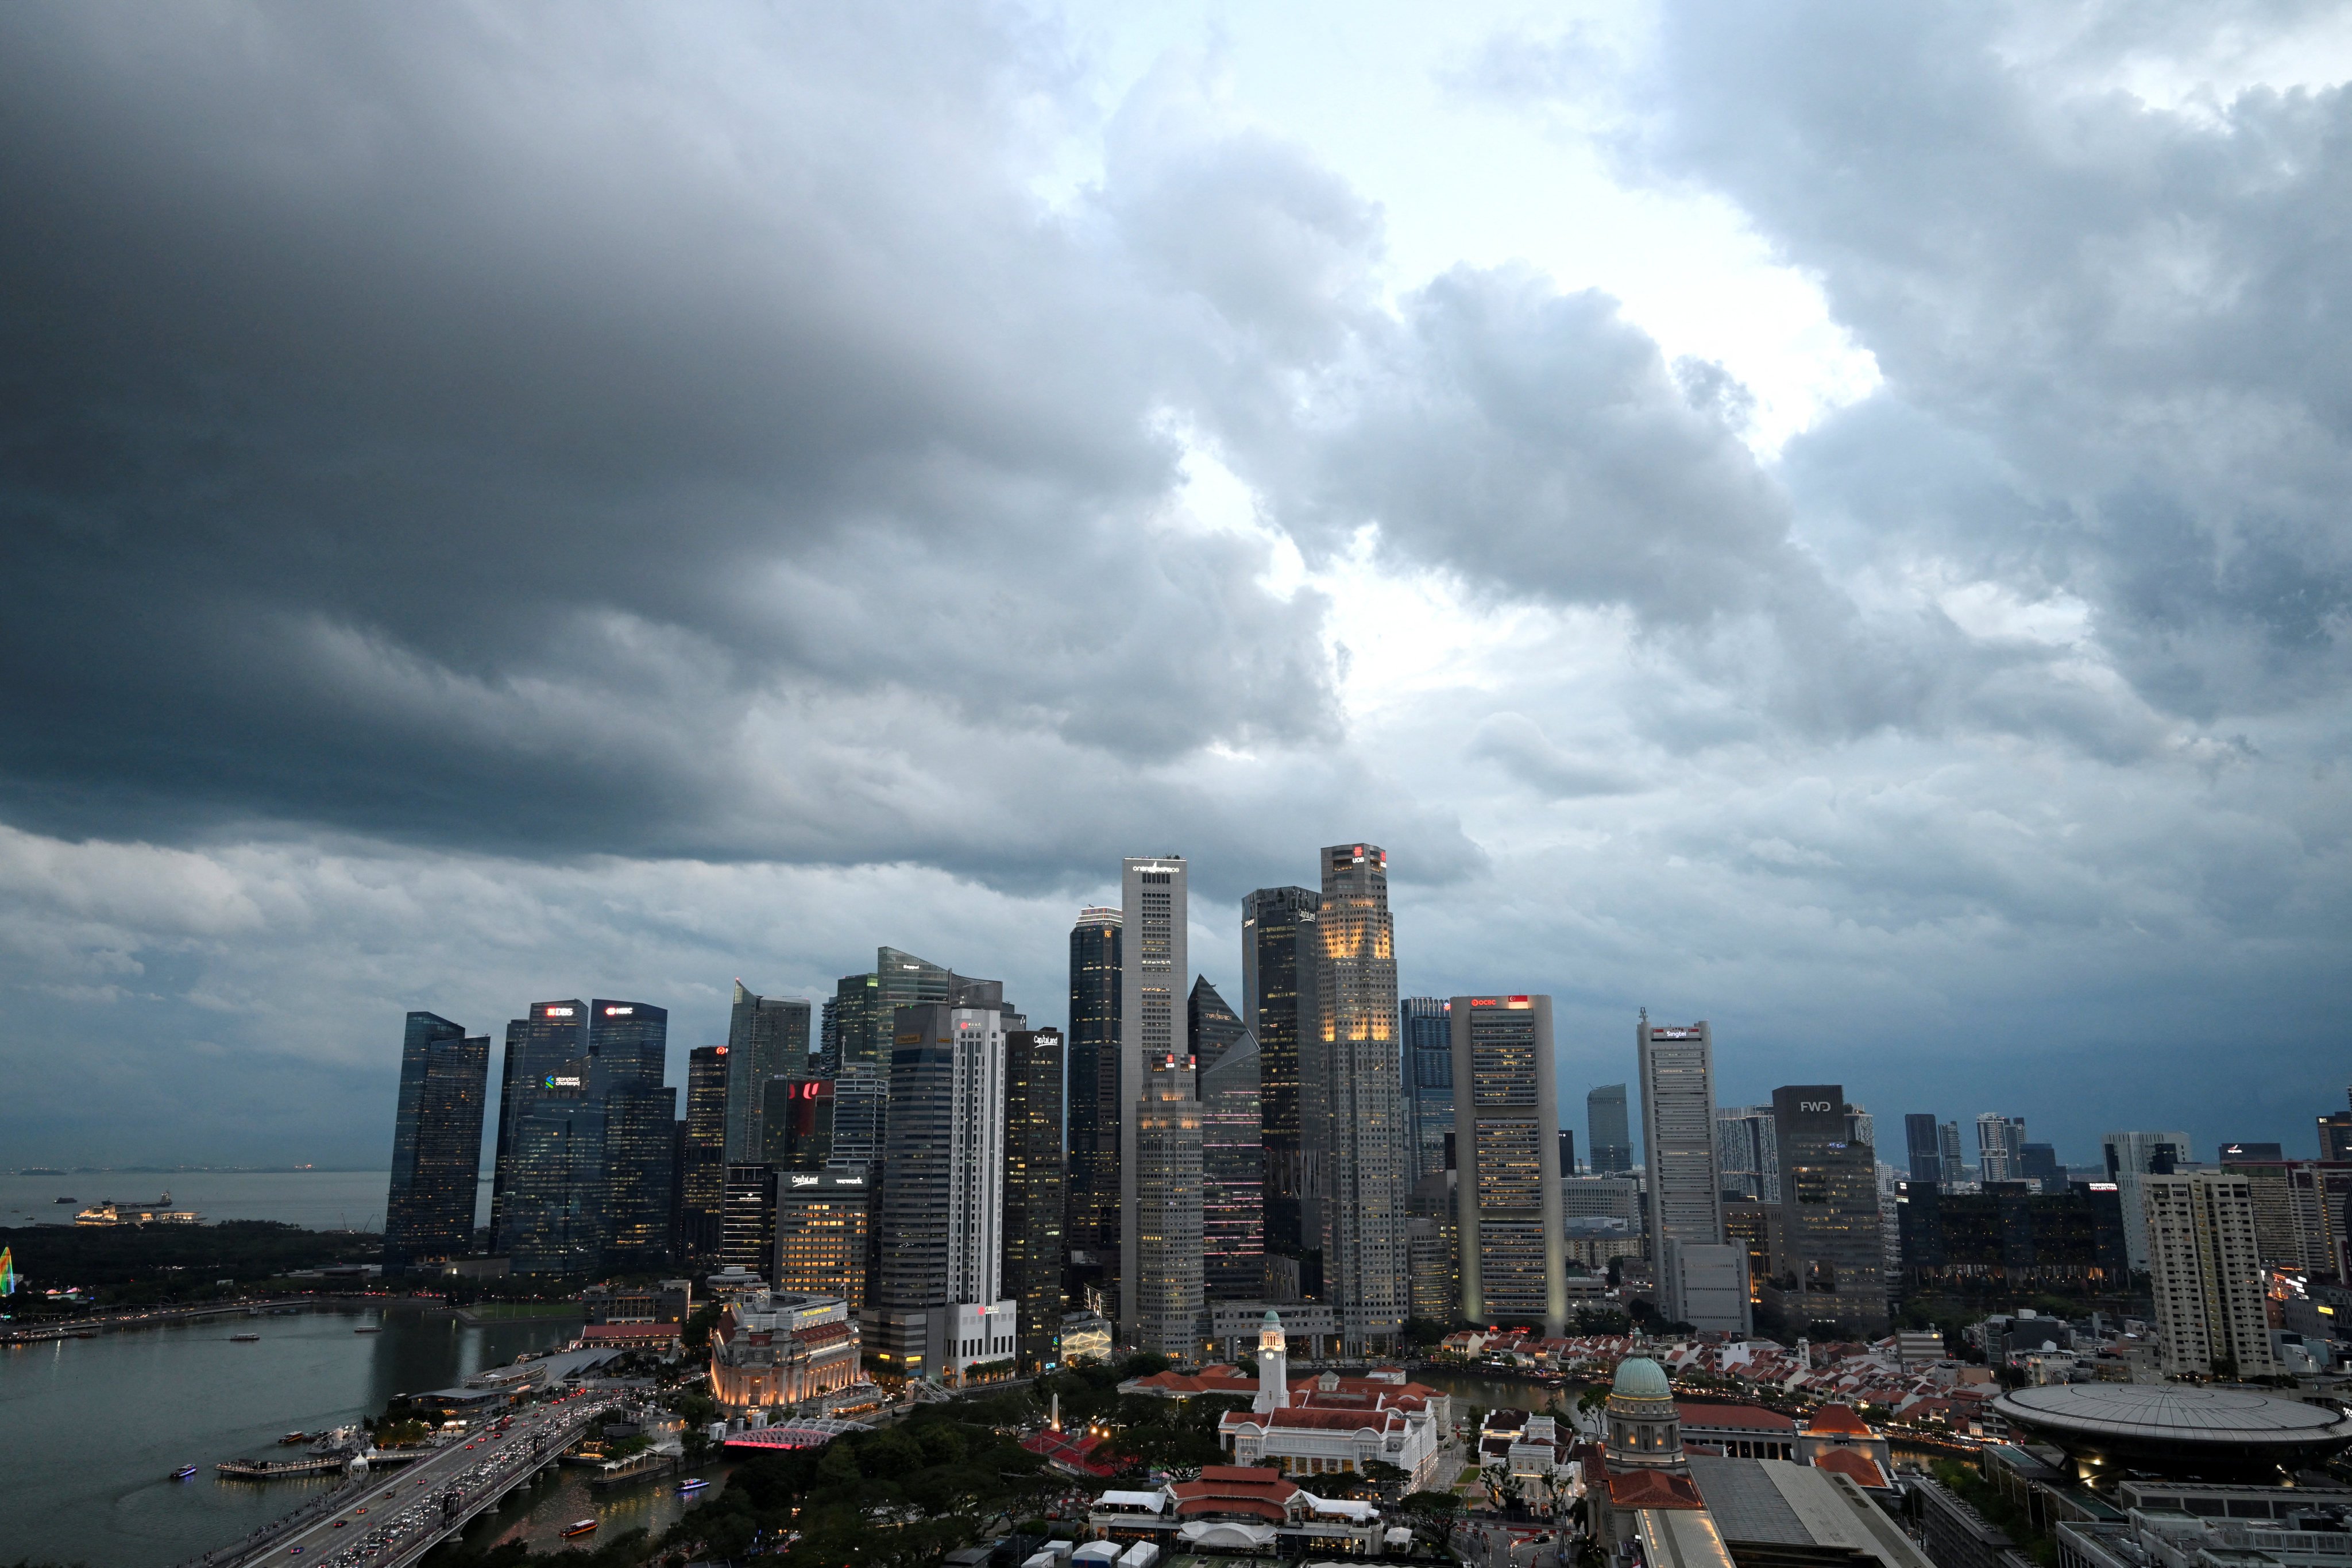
(628, 1045)
(1154, 904)
(771, 1349)
(436, 1142)
(1363, 1175)
(1233, 1175)
(539, 1045)
(703, 1169)
(1092, 1227)
(1514, 1255)
(1279, 1004)
(821, 1219)
(1169, 1281)
(766, 1037)
(1427, 1028)
(1036, 1188)
(1830, 1269)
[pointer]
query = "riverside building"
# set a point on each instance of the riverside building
(436, 1142)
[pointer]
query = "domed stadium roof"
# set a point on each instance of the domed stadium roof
(2180, 1422)
(1639, 1377)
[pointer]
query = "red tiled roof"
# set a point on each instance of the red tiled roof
(1839, 1419)
(1748, 1417)
(1637, 1488)
(1318, 1420)
(1235, 1488)
(1852, 1462)
(1076, 1453)
(819, 1334)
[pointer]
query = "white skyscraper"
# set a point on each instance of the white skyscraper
(1153, 969)
(2206, 1274)
(2001, 1142)
(1686, 1192)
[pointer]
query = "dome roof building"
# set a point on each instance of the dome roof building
(1645, 1427)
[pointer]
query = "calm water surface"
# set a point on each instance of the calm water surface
(91, 1429)
(315, 1200)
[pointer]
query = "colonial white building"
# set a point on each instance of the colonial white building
(780, 1349)
(1332, 1425)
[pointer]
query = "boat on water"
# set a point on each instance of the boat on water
(694, 1485)
(580, 1527)
(69, 1200)
(242, 1339)
(290, 1439)
(369, 1329)
(185, 1472)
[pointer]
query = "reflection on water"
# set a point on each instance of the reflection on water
(1472, 1393)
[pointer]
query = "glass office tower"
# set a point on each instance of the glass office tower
(1427, 1027)
(1035, 1194)
(1091, 1231)
(1211, 1025)
(1233, 1175)
(1611, 1130)
(703, 1173)
(436, 1142)
(539, 1045)
(1364, 1160)
(1278, 1006)
(767, 1037)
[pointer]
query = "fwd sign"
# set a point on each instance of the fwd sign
(1815, 1105)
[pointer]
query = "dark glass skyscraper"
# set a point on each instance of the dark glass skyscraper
(436, 1142)
(1611, 1130)
(1092, 1231)
(705, 1161)
(628, 1042)
(1210, 1025)
(1279, 1005)
(1035, 1197)
(1833, 1267)
(555, 1191)
(539, 1045)
(1427, 1029)
(1921, 1143)
(1232, 1176)
(766, 1037)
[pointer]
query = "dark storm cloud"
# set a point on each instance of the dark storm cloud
(2124, 326)
(592, 430)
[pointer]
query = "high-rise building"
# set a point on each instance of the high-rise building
(2129, 1156)
(554, 1203)
(1610, 1128)
(1920, 1144)
(1566, 1151)
(2300, 1213)
(1210, 1025)
(864, 1009)
(1092, 1230)
(1953, 1169)
(2009, 1238)
(1427, 1030)
(1832, 1268)
(1677, 1069)
(1364, 1160)
(1746, 1153)
(942, 1207)
(703, 1168)
(2335, 1136)
(747, 1218)
(821, 1221)
(628, 1044)
(1036, 1193)
(796, 1122)
(1279, 994)
(828, 1036)
(767, 1037)
(1514, 1255)
(436, 1142)
(1154, 911)
(2205, 1269)
(1167, 1279)
(541, 1045)
(1232, 1176)
(2037, 1165)
(2000, 1141)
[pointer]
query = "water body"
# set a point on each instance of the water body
(91, 1429)
(315, 1200)
(1472, 1393)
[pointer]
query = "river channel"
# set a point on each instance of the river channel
(90, 1430)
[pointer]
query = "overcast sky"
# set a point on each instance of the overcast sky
(1828, 518)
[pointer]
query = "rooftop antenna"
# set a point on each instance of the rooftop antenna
(1645, 1014)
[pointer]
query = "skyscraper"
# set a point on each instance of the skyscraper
(1093, 1228)
(746, 1225)
(1677, 1069)
(1035, 1194)
(1832, 1262)
(1609, 1129)
(1278, 1003)
(1427, 1029)
(943, 1210)
(1363, 1175)
(1233, 1175)
(1748, 1153)
(2000, 1141)
(2130, 1156)
(796, 1122)
(766, 1037)
(1211, 1025)
(2205, 1272)
(1514, 1254)
(821, 1222)
(1168, 1278)
(704, 1173)
(1566, 1151)
(865, 1008)
(540, 1044)
(1919, 1143)
(1954, 1169)
(2335, 1136)
(1153, 901)
(554, 1204)
(628, 1045)
(436, 1142)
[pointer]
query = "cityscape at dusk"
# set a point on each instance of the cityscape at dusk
(1077, 785)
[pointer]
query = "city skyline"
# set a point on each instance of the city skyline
(1738, 562)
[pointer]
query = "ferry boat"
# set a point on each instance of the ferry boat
(242, 1339)
(184, 1473)
(581, 1528)
(290, 1439)
(688, 1488)
(369, 1329)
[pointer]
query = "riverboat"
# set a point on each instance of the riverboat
(185, 1472)
(290, 1439)
(580, 1527)
(368, 1328)
(242, 1339)
(688, 1489)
